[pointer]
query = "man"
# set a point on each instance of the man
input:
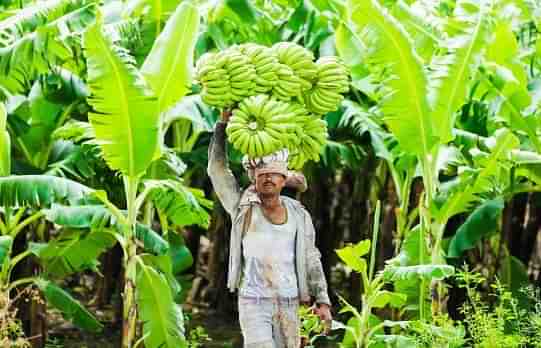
(273, 262)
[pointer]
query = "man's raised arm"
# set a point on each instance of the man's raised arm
(223, 180)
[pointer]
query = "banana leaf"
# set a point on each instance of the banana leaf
(183, 206)
(125, 117)
(97, 216)
(168, 66)
(71, 309)
(161, 316)
(5, 247)
(481, 222)
(72, 251)
(428, 272)
(39, 191)
(451, 75)
(405, 107)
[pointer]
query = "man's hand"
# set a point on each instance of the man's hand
(226, 115)
(324, 313)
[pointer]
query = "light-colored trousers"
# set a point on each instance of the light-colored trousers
(269, 323)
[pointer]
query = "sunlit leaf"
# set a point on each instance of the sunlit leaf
(352, 255)
(125, 116)
(39, 191)
(405, 107)
(161, 316)
(5, 144)
(168, 66)
(72, 251)
(429, 271)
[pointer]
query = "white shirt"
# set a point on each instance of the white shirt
(269, 258)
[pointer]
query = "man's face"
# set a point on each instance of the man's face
(269, 183)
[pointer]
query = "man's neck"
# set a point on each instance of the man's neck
(270, 202)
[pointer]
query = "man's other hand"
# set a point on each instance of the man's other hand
(324, 312)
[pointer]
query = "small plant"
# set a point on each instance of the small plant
(530, 324)
(197, 337)
(488, 325)
(11, 332)
(311, 327)
(54, 343)
(442, 333)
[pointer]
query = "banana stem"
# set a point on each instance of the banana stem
(129, 305)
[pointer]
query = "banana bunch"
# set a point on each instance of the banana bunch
(296, 161)
(259, 126)
(288, 84)
(299, 59)
(214, 79)
(300, 116)
(332, 80)
(266, 65)
(241, 72)
(313, 138)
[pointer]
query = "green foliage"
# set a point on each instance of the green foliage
(513, 274)
(457, 85)
(71, 309)
(449, 79)
(181, 205)
(5, 247)
(39, 37)
(181, 257)
(125, 117)
(197, 337)
(404, 106)
(168, 66)
(431, 271)
(482, 221)
(162, 317)
(352, 255)
(311, 327)
(191, 109)
(151, 240)
(98, 217)
(5, 144)
(425, 34)
(491, 326)
(72, 251)
(79, 162)
(39, 191)
(489, 168)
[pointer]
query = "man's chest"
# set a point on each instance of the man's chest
(267, 240)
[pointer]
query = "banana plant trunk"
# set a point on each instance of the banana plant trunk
(130, 309)
(129, 320)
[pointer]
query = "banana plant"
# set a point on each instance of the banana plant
(360, 328)
(126, 120)
(365, 329)
(420, 120)
(41, 36)
(23, 200)
(39, 75)
(88, 229)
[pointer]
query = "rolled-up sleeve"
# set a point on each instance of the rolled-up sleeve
(317, 284)
(224, 182)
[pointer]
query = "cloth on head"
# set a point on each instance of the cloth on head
(273, 163)
(272, 167)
